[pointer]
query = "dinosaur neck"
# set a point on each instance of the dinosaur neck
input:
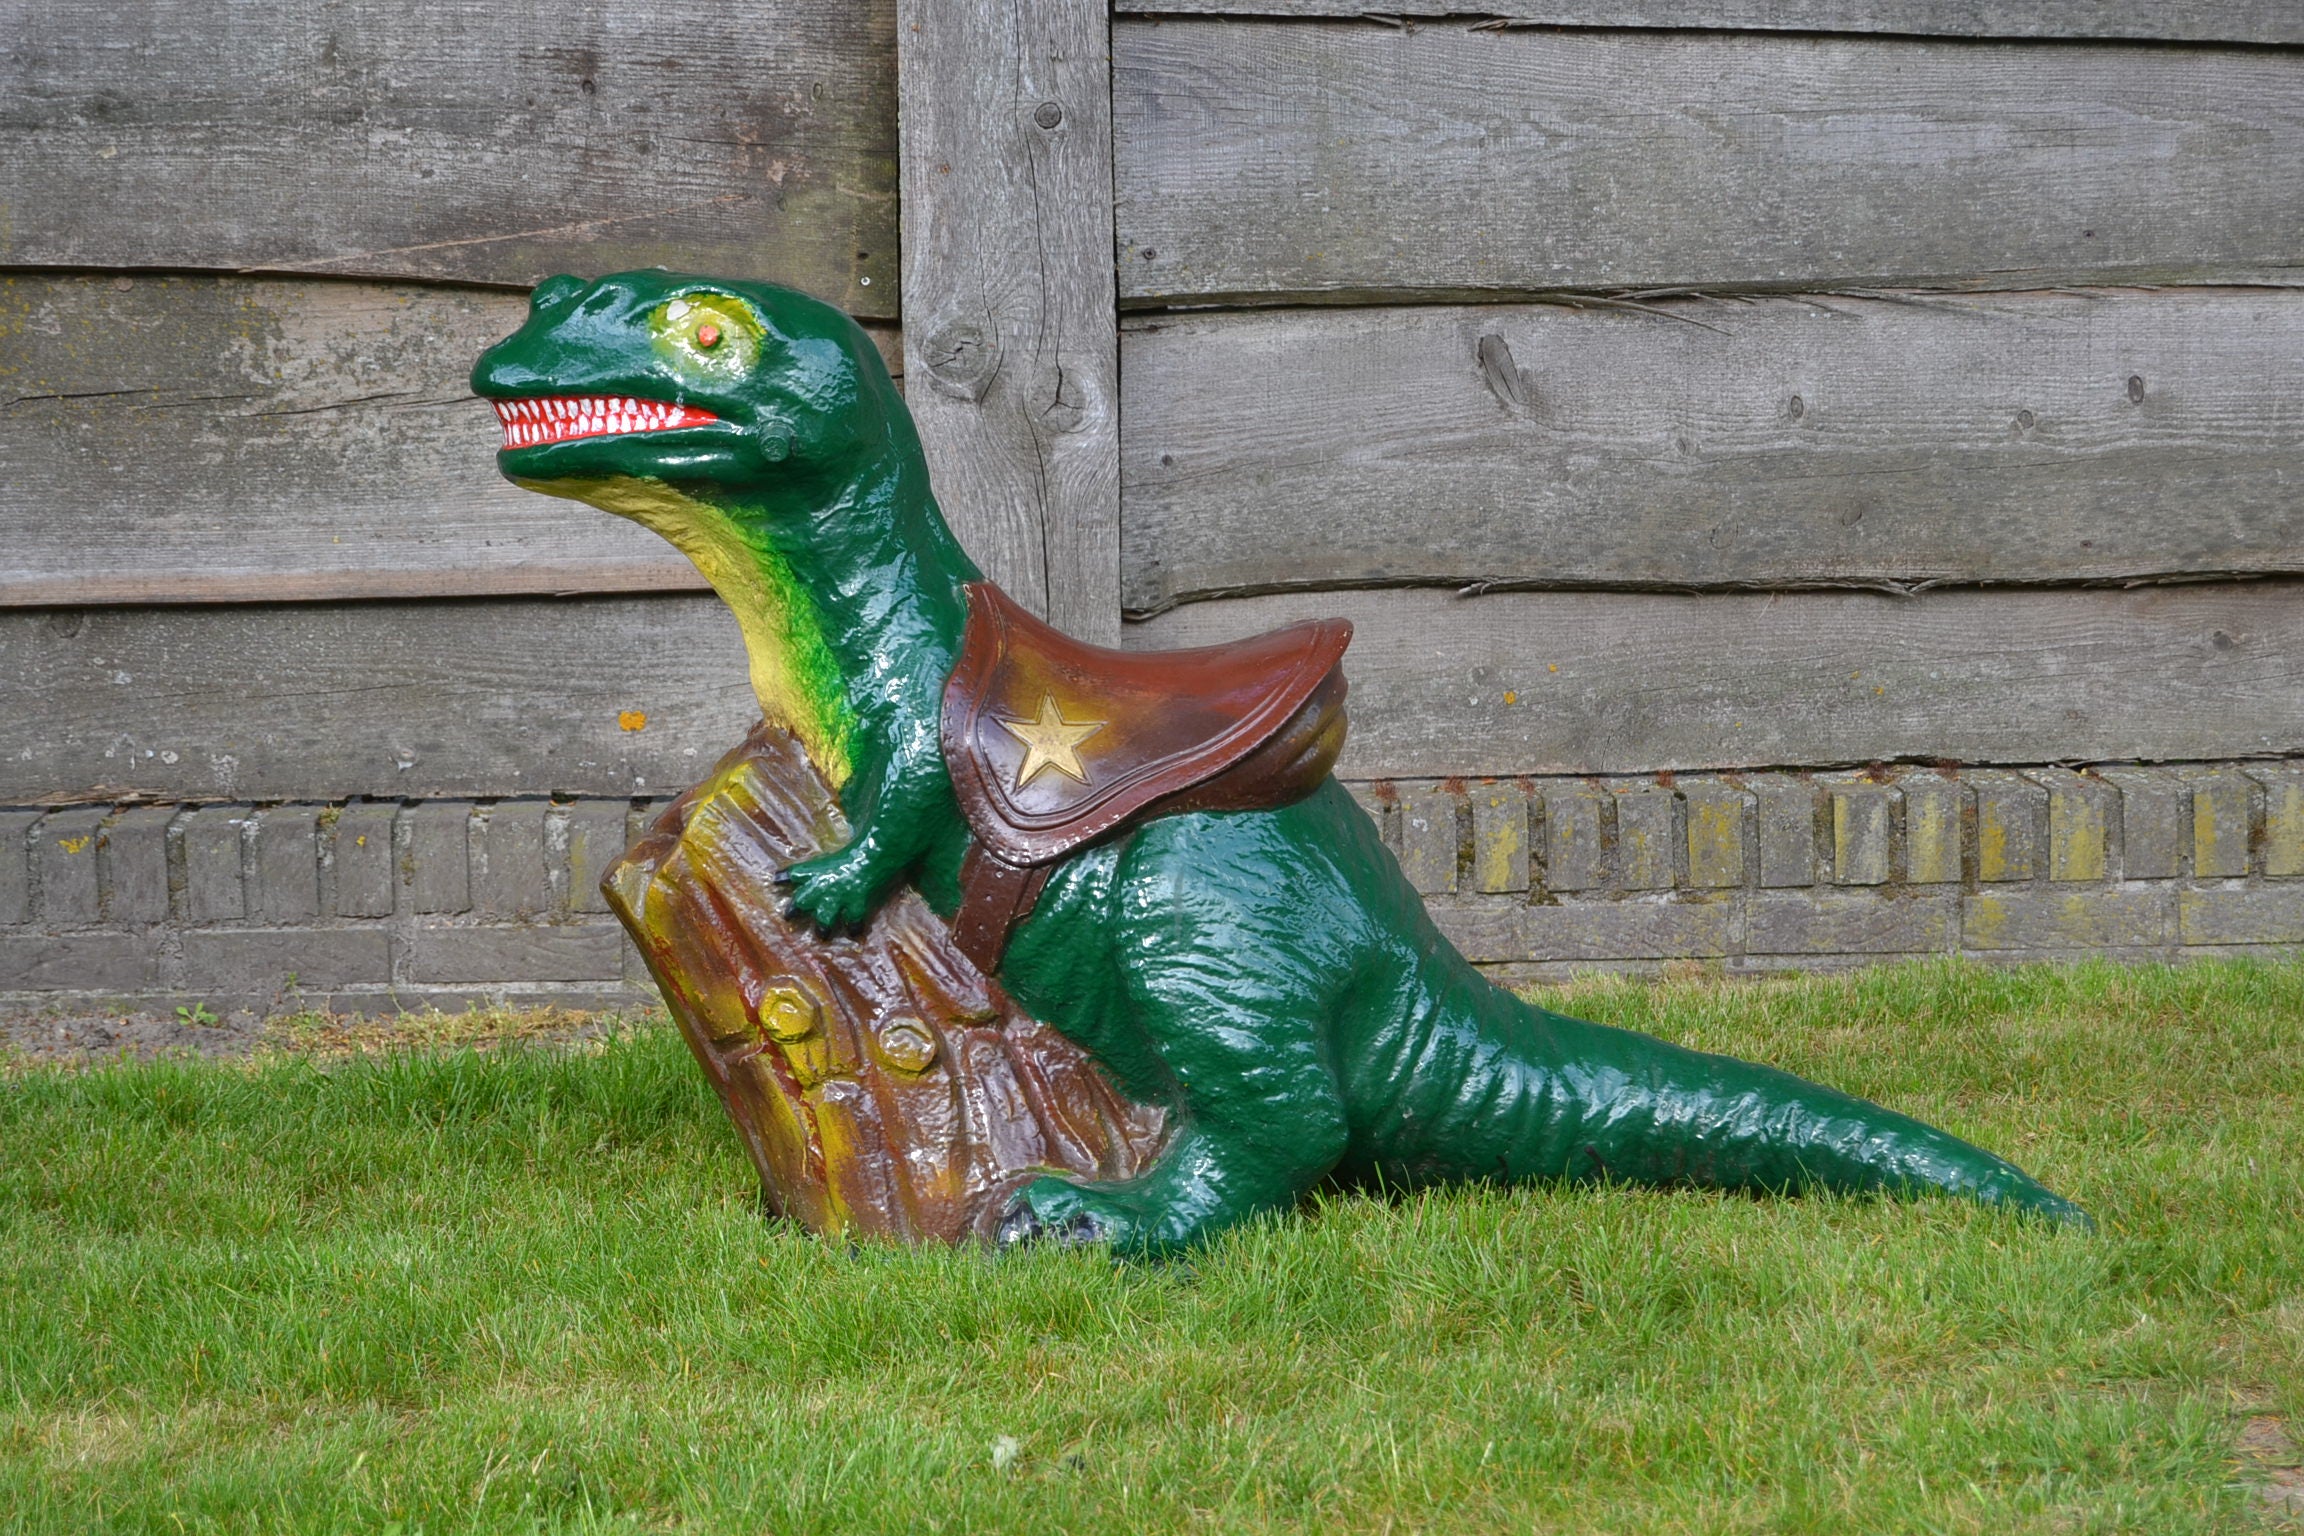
(848, 595)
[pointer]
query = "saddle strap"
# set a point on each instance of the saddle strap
(995, 896)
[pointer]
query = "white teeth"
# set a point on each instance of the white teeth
(561, 418)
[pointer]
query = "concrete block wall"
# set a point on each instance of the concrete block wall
(1539, 878)
(360, 907)
(370, 905)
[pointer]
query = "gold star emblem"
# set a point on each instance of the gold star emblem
(1049, 742)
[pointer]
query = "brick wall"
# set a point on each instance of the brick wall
(379, 905)
(1537, 878)
(354, 907)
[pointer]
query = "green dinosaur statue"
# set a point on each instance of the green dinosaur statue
(1268, 975)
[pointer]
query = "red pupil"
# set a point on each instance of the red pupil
(707, 335)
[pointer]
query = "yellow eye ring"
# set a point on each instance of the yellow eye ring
(714, 334)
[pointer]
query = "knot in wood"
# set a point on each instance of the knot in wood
(905, 1043)
(962, 358)
(1500, 373)
(1048, 114)
(1066, 406)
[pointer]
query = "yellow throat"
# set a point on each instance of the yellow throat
(794, 675)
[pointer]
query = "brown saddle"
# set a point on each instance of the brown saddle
(1053, 744)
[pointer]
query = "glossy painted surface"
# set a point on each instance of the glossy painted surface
(805, 503)
(881, 1086)
(1275, 975)
(1267, 977)
(1052, 744)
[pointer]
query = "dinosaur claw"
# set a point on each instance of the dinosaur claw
(1019, 1224)
(1083, 1229)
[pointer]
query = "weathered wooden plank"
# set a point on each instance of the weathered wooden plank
(611, 695)
(1613, 682)
(530, 696)
(1258, 158)
(487, 143)
(2038, 437)
(1007, 178)
(2201, 21)
(196, 439)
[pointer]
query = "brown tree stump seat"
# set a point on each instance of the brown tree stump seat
(884, 1086)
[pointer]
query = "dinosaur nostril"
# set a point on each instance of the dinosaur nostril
(554, 292)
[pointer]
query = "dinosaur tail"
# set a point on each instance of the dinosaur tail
(1534, 1094)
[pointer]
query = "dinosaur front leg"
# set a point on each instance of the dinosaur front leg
(838, 891)
(896, 804)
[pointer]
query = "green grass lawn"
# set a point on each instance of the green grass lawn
(530, 1288)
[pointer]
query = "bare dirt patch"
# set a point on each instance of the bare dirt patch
(2271, 1459)
(59, 1038)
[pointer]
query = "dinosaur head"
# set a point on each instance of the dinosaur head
(753, 427)
(732, 389)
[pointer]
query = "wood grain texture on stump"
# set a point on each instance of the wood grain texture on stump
(883, 1086)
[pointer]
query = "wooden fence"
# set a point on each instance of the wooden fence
(1980, 357)
(1738, 385)
(1539, 342)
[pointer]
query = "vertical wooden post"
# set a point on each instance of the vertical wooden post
(1010, 319)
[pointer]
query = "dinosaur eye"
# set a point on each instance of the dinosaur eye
(710, 335)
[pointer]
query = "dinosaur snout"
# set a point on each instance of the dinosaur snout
(555, 293)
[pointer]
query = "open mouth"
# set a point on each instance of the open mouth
(529, 423)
